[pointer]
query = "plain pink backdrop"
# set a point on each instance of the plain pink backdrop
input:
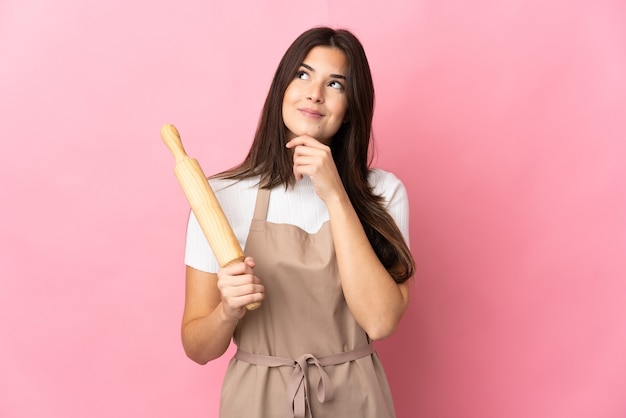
(505, 119)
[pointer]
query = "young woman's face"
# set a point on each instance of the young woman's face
(315, 101)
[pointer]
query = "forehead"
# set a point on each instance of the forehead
(327, 60)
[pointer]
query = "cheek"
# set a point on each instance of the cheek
(341, 110)
(287, 99)
(290, 94)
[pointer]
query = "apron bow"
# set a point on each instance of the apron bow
(298, 399)
(298, 387)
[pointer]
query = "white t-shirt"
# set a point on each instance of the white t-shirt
(299, 206)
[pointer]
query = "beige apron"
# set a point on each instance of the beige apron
(301, 354)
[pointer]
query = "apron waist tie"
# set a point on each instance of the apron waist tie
(298, 386)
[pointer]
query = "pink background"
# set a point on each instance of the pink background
(505, 119)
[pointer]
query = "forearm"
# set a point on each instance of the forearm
(374, 298)
(205, 330)
(207, 338)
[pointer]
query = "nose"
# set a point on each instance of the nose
(315, 92)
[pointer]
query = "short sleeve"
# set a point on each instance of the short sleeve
(237, 201)
(198, 253)
(395, 198)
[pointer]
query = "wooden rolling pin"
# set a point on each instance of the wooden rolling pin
(204, 204)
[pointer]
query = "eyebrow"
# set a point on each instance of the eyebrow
(308, 67)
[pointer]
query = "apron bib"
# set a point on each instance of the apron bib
(302, 353)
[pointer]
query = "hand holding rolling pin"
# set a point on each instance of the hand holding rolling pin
(204, 205)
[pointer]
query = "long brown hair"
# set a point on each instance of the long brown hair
(350, 146)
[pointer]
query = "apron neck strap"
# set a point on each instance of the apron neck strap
(262, 203)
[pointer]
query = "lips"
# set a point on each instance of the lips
(312, 113)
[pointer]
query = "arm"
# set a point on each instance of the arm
(374, 298)
(213, 305)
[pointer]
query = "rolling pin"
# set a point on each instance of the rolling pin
(204, 204)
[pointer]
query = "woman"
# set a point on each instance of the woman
(325, 254)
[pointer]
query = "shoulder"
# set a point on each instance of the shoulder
(395, 198)
(378, 176)
(386, 184)
(233, 187)
(218, 183)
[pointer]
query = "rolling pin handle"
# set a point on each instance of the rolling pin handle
(172, 140)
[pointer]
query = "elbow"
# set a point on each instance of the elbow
(384, 324)
(381, 320)
(198, 359)
(200, 356)
(196, 355)
(381, 330)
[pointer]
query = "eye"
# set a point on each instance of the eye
(302, 75)
(335, 85)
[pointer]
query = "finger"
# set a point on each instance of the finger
(305, 169)
(237, 269)
(304, 140)
(309, 159)
(243, 289)
(232, 282)
(240, 302)
(250, 262)
(308, 152)
(239, 296)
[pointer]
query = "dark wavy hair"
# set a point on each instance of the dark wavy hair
(350, 146)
